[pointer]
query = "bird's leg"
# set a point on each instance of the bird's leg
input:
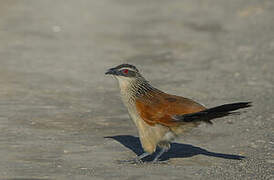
(165, 146)
(140, 157)
(159, 155)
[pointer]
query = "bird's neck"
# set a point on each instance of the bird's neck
(135, 88)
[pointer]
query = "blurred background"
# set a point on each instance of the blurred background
(56, 104)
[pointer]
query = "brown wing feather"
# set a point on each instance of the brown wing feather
(158, 108)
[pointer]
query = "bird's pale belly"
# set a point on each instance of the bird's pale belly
(150, 136)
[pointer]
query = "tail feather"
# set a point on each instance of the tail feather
(212, 113)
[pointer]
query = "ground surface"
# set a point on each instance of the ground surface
(62, 118)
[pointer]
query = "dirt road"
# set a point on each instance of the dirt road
(62, 118)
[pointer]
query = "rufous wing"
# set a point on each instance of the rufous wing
(159, 108)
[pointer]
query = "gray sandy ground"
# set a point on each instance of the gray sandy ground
(62, 118)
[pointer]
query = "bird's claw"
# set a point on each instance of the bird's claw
(131, 161)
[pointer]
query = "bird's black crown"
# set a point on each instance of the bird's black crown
(127, 66)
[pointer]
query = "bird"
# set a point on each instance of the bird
(161, 117)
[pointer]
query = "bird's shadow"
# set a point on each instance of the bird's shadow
(176, 151)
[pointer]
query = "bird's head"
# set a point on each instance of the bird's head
(124, 71)
(126, 74)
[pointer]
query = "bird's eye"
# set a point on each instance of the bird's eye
(125, 71)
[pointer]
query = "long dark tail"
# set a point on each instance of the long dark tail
(212, 113)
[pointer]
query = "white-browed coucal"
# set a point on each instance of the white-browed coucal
(160, 117)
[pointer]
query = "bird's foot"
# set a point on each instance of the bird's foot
(137, 160)
(131, 161)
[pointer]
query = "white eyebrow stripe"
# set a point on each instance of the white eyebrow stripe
(127, 68)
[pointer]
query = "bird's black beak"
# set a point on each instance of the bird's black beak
(111, 71)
